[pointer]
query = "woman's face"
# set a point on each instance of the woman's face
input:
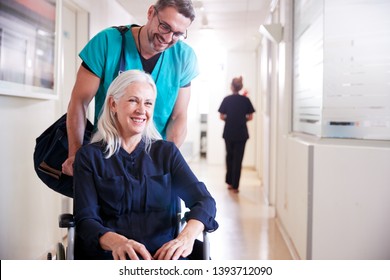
(134, 109)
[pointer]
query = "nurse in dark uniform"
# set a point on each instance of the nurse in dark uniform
(235, 110)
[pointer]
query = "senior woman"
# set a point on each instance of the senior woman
(126, 180)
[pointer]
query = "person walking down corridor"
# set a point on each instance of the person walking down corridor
(235, 110)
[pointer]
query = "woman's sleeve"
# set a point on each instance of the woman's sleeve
(86, 208)
(193, 192)
(222, 107)
(250, 109)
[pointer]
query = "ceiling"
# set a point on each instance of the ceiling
(233, 24)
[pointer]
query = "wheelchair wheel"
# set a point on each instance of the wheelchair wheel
(60, 253)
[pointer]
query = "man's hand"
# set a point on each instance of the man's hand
(67, 166)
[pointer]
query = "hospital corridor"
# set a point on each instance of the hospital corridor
(246, 222)
(315, 181)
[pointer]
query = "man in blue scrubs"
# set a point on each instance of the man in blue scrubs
(158, 49)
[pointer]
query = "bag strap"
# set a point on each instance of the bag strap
(122, 63)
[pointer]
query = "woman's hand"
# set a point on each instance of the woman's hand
(174, 249)
(183, 244)
(123, 248)
(130, 249)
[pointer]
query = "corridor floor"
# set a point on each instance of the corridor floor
(247, 230)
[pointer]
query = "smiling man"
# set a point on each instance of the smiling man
(158, 48)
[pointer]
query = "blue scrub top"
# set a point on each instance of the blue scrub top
(176, 68)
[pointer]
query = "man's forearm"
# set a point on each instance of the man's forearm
(177, 131)
(75, 123)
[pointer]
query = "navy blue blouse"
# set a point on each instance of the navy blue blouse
(134, 194)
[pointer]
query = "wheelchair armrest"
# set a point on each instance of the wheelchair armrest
(66, 221)
(206, 246)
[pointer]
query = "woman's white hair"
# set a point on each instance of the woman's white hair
(107, 124)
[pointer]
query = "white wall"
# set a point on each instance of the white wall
(28, 210)
(332, 195)
(207, 90)
(104, 13)
(335, 199)
(293, 195)
(351, 201)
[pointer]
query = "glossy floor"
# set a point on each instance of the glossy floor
(247, 229)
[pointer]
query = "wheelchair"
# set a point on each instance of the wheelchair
(67, 252)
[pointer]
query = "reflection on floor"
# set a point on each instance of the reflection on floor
(247, 231)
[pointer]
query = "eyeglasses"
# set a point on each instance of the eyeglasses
(164, 28)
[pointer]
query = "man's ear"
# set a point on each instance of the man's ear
(151, 11)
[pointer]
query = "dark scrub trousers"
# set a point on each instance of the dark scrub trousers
(234, 155)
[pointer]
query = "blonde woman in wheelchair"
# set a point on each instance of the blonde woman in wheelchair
(127, 181)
